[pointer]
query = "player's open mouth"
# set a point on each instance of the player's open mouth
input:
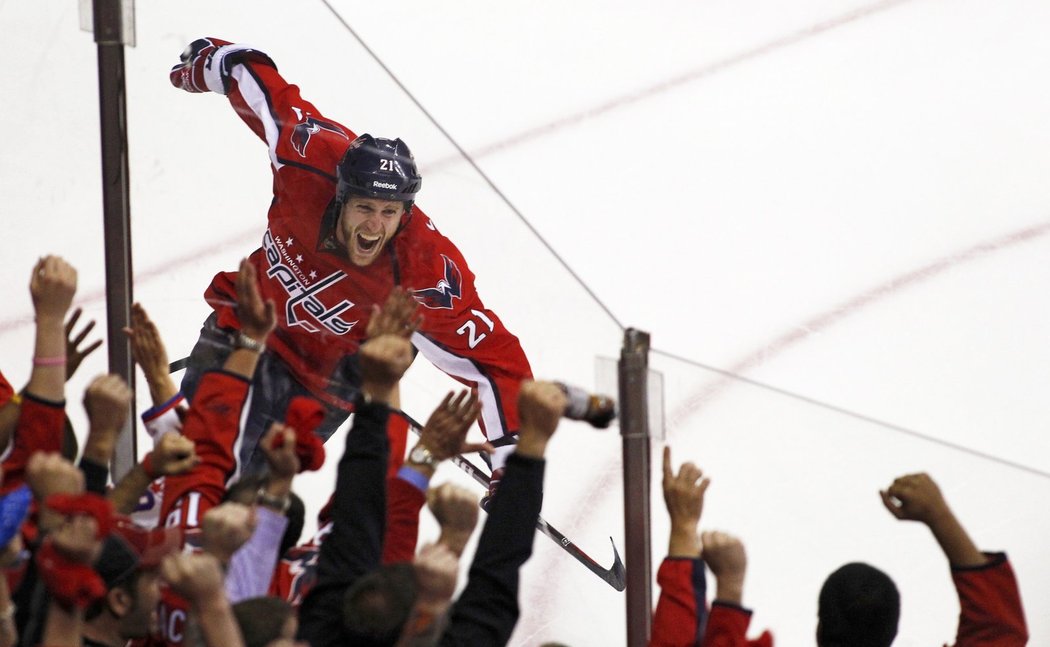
(366, 243)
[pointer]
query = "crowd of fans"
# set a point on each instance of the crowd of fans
(185, 550)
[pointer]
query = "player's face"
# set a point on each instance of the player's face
(366, 226)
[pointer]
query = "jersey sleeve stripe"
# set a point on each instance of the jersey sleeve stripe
(463, 368)
(258, 101)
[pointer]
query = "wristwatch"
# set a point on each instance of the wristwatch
(420, 455)
(248, 343)
(279, 503)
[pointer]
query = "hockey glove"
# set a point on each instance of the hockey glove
(206, 63)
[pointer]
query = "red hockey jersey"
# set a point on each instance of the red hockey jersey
(323, 300)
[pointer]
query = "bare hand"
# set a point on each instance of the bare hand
(226, 527)
(684, 492)
(77, 538)
(725, 556)
(258, 318)
(283, 461)
(174, 454)
(107, 401)
(52, 286)
(915, 497)
(197, 577)
(400, 315)
(147, 347)
(11, 553)
(540, 405)
(74, 354)
(446, 430)
(383, 361)
(49, 473)
(456, 511)
(436, 570)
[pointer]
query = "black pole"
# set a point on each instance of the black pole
(634, 428)
(116, 211)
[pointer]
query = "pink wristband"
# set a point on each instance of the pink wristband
(49, 361)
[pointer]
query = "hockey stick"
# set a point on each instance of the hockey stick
(615, 576)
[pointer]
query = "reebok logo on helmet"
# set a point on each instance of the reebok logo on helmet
(383, 185)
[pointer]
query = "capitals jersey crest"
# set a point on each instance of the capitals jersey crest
(307, 128)
(448, 288)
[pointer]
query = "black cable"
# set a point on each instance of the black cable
(856, 415)
(470, 160)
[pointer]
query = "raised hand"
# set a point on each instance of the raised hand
(148, 351)
(446, 429)
(258, 318)
(914, 497)
(436, 568)
(540, 405)
(173, 454)
(107, 402)
(52, 286)
(400, 315)
(383, 360)
(724, 554)
(50, 473)
(74, 354)
(456, 511)
(278, 445)
(225, 528)
(684, 498)
(197, 577)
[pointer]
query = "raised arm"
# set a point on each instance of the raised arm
(681, 611)
(991, 609)
(292, 127)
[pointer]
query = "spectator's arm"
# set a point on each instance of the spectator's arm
(354, 547)
(681, 610)
(456, 511)
(436, 570)
(74, 353)
(258, 318)
(487, 610)
(52, 286)
(225, 528)
(107, 402)
(252, 566)
(149, 352)
(988, 596)
(198, 578)
(916, 497)
(174, 454)
(725, 556)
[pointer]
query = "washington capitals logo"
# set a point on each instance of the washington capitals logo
(309, 127)
(440, 296)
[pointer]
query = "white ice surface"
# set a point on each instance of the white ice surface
(843, 200)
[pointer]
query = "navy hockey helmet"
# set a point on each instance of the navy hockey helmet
(378, 168)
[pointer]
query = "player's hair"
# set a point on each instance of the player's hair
(859, 607)
(262, 619)
(377, 606)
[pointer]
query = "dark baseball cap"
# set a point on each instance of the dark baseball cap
(130, 548)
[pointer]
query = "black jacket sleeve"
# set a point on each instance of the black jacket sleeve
(486, 612)
(355, 545)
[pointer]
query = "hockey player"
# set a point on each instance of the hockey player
(342, 232)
